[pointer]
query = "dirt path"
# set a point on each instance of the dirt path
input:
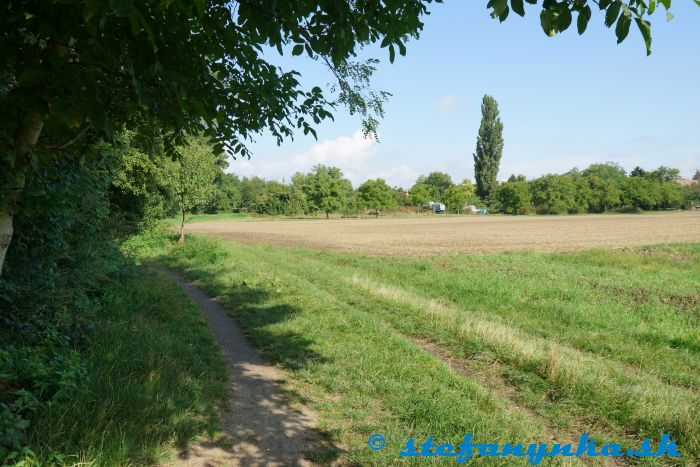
(262, 429)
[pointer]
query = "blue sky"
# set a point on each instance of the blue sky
(565, 101)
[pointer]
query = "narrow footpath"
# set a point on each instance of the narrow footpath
(262, 429)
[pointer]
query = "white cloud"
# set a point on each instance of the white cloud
(350, 153)
(399, 175)
(341, 151)
(447, 103)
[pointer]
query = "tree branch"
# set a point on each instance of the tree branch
(70, 141)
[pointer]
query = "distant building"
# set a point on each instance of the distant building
(470, 209)
(687, 181)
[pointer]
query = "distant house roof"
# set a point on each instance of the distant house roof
(686, 181)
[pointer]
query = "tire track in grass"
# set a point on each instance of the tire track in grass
(669, 409)
(553, 365)
(642, 346)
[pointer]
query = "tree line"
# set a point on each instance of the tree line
(149, 186)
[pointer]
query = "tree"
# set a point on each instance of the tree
(376, 194)
(671, 195)
(554, 194)
(605, 193)
(456, 196)
(227, 196)
(139, 193)
(489, 147)
(437, 183)
(275, 199)
(193, 177)
(664, 174)
(697, 175)
(326, 190)
(641, 193)
(299, 203)
(638, 172)
(691, 196)
(419, 195)
(513, 197)
(608, 171)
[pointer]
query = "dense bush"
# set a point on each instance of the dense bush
(76, 312)
(54, 276)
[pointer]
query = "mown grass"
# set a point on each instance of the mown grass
(153, 378)
(550, 345)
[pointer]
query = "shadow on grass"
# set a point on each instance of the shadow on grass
(260, 425)
(152, 377)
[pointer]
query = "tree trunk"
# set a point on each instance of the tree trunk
(182, 228)
(5, 234)
(326, 214)
(25, 139)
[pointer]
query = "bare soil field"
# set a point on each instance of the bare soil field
(463, 234)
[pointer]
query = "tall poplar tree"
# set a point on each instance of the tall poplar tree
(489, 147)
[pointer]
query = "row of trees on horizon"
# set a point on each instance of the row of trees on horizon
(148, 189)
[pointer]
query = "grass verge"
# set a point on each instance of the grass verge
(153, 377)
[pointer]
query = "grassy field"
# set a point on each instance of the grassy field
(153, 379)
(429, 235)
(513, 347)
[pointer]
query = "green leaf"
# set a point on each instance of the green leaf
(500, 9)
(584, 16)
(564, 19)
(645, 28)
(623, 26)
(652, 6)
(298, 49)
(504, 14)
(612, 13)
(547, 22)
(666, 3)
(519, 7)
(402, 48)
(392, 53)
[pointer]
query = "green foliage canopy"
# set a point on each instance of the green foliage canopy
(456, 196)
(326, 189)
(420, 194)
(376, 194)
(514, 197)
(437, 183)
